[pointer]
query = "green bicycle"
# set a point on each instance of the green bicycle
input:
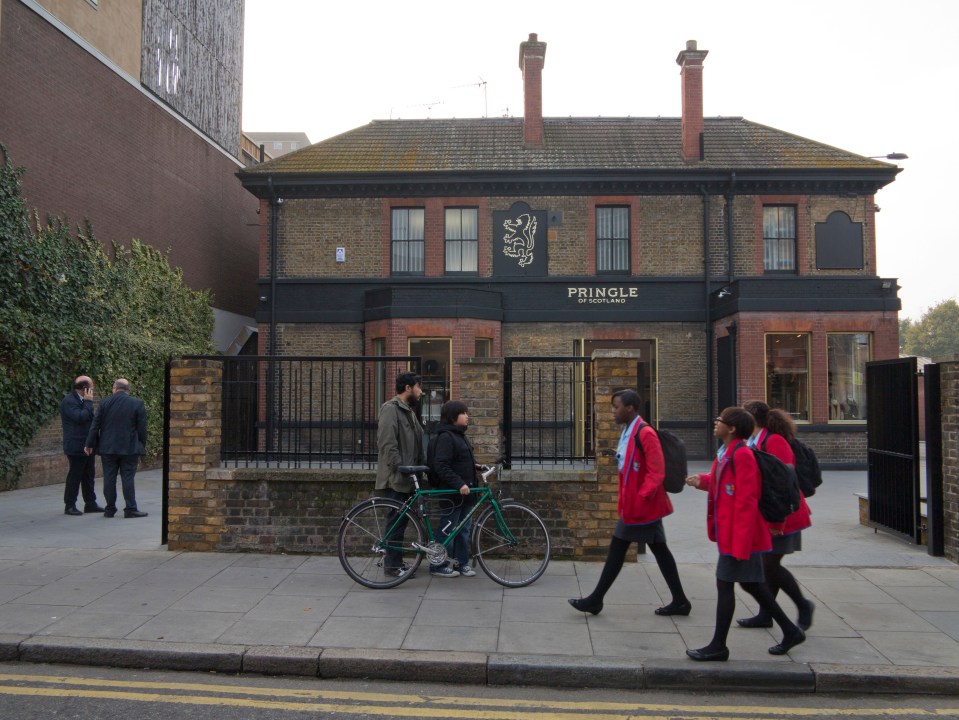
(508, 540)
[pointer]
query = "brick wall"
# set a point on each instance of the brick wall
(299, 510)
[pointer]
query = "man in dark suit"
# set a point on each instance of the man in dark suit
(119, 435)
(76, 414)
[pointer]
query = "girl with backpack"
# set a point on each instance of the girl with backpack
(643, 504)
(773, 434)
(734, 523)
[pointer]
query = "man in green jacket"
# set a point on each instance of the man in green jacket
(399, 441)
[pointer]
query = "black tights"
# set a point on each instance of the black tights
(726, 605)
(779, 578)
(614, 563)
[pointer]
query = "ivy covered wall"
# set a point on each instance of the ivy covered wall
(69, 308)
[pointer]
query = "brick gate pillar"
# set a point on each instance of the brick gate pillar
(196, 520)
(612, 370)
(481, 388)
(949, 385)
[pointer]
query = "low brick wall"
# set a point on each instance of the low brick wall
(287, 510)
(299, 511)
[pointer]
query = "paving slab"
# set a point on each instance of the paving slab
(105, 592)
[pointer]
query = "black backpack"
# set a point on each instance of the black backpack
(780, 489)
(807, 468)
(674, 457)
(808, 474)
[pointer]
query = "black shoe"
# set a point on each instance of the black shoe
(704, 655)
(756, 621)
(583, 605)
(675, 608)
(788, 642)
(134, 513)
(92, 508)
(71, 510)
(805, 615)
(109, 512)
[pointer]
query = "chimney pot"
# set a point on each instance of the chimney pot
(532, 58)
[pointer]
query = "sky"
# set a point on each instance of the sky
(872, 77)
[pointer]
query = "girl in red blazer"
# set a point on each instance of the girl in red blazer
(735, 525)
(774, 430)
(643, 504)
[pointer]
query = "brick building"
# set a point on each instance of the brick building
(737, 258)
(128, 114)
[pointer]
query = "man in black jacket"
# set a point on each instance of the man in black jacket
(76, 414)
(119, 435)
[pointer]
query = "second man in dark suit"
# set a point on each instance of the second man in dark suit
(119, 436)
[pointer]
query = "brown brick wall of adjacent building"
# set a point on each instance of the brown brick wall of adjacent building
(96, 147)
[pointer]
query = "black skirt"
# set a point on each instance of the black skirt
(742, 571)
(649, 534)
(787, 544)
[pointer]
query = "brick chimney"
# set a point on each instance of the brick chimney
(532, 57)
(691, 62)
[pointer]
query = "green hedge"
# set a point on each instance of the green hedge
(67, 308)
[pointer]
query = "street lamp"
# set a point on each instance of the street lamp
(890, 156)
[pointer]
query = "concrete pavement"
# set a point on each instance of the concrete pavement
(100, 591)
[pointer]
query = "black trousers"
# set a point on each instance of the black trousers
(80, 479)
(127, 467)
(394, 557)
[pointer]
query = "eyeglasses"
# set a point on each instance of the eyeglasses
(720, 420)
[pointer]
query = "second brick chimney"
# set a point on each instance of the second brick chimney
(532, 57)
(691, 62)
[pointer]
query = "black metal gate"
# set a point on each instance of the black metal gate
(893, 446)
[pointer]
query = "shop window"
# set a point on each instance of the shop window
(787, 373)
(846, 358)
(406, 240)
(612, 240)
(484, 348)
(462, 240)
(779, 238)
(435, 371)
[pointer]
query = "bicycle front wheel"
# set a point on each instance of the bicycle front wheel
(513, 546)
(374, 548)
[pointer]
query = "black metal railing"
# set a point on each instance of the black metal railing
(548, 409)
(305, 411)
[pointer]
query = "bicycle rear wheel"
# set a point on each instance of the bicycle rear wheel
(363, 541)
(512, 549)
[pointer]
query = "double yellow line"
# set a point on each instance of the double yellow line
(420, 706)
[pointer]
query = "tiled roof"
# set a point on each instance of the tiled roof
(571, 144)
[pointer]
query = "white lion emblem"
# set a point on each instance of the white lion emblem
(518, 241)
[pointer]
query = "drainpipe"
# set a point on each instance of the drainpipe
(729, 227)
(708, 323)
(274, 209)
(271, 348)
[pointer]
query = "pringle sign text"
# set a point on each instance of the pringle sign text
(602, 295)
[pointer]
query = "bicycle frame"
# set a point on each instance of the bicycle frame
(416, 505)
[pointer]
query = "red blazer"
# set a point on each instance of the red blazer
(642, 497)
(778, 445)
(732, 513)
